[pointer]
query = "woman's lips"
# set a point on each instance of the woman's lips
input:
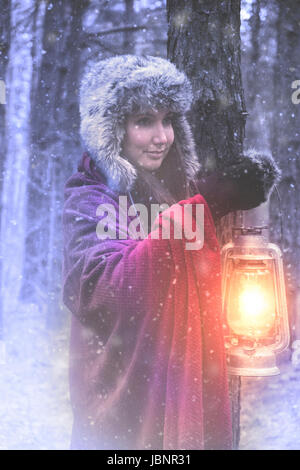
(156, 154)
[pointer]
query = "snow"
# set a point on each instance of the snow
(270, 410)
(35, 408)
(35, 411)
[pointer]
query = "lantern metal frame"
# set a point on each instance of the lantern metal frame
(254, 356)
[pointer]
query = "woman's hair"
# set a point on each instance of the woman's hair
(167, 185)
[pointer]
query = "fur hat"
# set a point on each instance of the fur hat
(112, 89)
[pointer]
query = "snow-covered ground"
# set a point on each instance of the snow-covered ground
(35, 410)
(270, 410)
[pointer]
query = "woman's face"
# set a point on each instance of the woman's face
(148, 138)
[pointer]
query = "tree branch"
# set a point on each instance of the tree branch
(116, 30)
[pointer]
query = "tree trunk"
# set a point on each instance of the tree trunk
(4, 48)
(255, 53)
(128, 47)
(16, 162)
(256, 68)
(286, 150)
(55, 148)
(252, 77)
(204, 41)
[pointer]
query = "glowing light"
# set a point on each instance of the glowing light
(252, 310)
(256, 310)
(252, 302)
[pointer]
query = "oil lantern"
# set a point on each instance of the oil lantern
(254, 303)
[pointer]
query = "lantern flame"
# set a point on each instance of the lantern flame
(252, 310)
(252, 302)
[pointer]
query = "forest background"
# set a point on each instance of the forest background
(44, 47)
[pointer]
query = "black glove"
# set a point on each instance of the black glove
(241, 186)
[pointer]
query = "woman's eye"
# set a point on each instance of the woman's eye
(168, 121)
(143, 122)
(148, 121)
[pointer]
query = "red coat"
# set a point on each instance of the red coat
(147, 359)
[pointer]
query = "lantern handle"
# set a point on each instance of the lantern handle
(251, 230)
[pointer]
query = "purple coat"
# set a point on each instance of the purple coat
(147, 359)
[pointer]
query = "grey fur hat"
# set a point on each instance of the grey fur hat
(113, 88)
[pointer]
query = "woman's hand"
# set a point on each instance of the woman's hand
(256, 173)
(241, 186)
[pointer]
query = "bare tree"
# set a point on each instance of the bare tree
(285, 212)
(55, 147)
(253, 73)
(4, 51)
(204, 41)
(128, 45)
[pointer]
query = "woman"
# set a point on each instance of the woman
(147, 360)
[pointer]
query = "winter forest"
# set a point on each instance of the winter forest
(44, 48)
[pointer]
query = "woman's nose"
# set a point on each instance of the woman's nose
(160, 136)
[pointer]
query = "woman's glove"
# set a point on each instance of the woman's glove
(241, 186)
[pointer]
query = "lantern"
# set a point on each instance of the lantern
(254, 303)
